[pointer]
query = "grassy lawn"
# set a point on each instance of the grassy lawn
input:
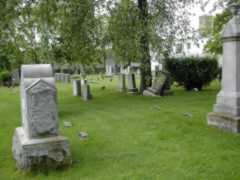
(131, 137)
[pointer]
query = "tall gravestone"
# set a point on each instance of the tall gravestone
(76, 87)
(132, 84)
(121, 83)
(226, 113)
(85, 90)
(37, 143)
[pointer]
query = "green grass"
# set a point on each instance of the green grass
(131, 137)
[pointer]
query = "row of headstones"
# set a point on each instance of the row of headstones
(82, 88)
(62, 77)
(158, 88)
(131, 88)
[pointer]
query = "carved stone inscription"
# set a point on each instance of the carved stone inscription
(42, 111)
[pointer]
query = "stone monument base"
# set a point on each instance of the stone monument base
(51, 152)
(224, 121)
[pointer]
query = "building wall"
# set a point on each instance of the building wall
(190, 48)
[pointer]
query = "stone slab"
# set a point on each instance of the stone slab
(49, 152)
(148, 93)
(121, 83)
(76, 87)
(86, 92)
(224, 121)
(131, 89)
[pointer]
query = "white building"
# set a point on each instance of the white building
(195, 46)
(190, 48)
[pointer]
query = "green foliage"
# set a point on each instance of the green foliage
(73, 31)
(137, 28)
(206, 26)
(214, 45)
(123, 31)
(9, 51)
(80, 32)
(158, 25)
(76, 77)
(193, 72)
(49, 31)
(5, 76)
(4, 63)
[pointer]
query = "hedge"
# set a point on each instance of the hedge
(192, 72)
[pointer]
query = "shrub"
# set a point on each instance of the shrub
(193, 72)
(4, 62)
(76, 77)
(5, 78)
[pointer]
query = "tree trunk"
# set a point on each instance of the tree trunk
(145, 68)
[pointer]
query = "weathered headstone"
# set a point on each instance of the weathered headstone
(132, 84)
(155, 89)
(76, 87)
(85, 90)
(57, 76)
(37, 143)
(67, 78)
(226, 113)
(160, 85)
(62, 77)
(121, 83)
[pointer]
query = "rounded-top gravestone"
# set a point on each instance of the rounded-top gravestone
(37, 142)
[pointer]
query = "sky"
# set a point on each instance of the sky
(208, 10)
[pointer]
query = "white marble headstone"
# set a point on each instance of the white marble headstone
(226, 112)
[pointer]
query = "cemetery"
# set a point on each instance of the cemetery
(129, 135)
(102, 90)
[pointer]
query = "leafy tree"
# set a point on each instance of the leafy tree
(50, 31)
(9, 52)
(214, 44)
(79, 32)
(36, 29)
(124, 31)
(138, 27)
(72, 31)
